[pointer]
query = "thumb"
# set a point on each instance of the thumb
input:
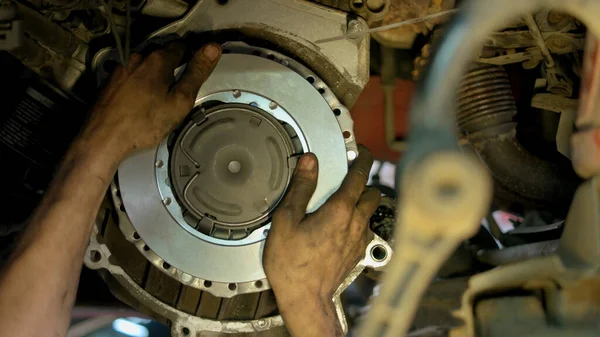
(197, 71)
(302, 187)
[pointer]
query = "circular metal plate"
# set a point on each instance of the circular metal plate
(292, 94)
(229, 167)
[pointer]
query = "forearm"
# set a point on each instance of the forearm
(307, 316)
(39, 284)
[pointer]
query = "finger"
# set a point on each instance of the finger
(163, 62)
(304, 182)
(135, 60)
(356, 179)
(367, 204)
(118, 76)
(365, 207)
(197, 71)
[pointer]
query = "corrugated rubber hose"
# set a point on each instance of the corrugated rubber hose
(486, 108)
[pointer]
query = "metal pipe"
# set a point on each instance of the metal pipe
(539, 39)
(388, 83)
(500, 257)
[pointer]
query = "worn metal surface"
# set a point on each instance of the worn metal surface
(51, 51)
(559, 80)
(370, 10)
(145, 187)
(400, 10)
(99, 257)
(557, 42)
(169, 9)
(292, 26)
(555, 103)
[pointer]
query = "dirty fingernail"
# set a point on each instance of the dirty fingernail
(211, 52)
(307, 163)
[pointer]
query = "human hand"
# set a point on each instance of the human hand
(307, 256)
(143, 103)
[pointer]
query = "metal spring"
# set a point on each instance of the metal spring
(485, 98)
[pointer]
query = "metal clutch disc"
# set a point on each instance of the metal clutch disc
(199, 205)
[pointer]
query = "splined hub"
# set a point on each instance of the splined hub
(230, 166)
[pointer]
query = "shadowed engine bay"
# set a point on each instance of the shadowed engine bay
(180, 234)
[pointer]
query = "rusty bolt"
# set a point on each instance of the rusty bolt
(354, 26)
(357, 3)
(555, 17)
(375, 6)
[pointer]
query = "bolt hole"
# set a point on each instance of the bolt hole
(222, 2)
(136, 236)
(357, 3)
(378, 253)
(448, 190)
(146, 248)
(122, 207)
(310, 79)
(232, 286)
(185, 331)
(337, 112)
(347, 134)
(95, 256)
(110, 65)
(271, 57)
(166, 266)
(256, 53)
(226, 51)
(321, 91)
(207, 284)
(258, 284)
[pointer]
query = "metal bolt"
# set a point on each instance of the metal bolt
(167, 201)
(273, 105)
(351, 155)
(237, 93)
(186, 278)
(159, 163)
(261, 323)
(354, 27)
(375, 6)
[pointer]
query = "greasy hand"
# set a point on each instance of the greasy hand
(307, 257)
(142, 104)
